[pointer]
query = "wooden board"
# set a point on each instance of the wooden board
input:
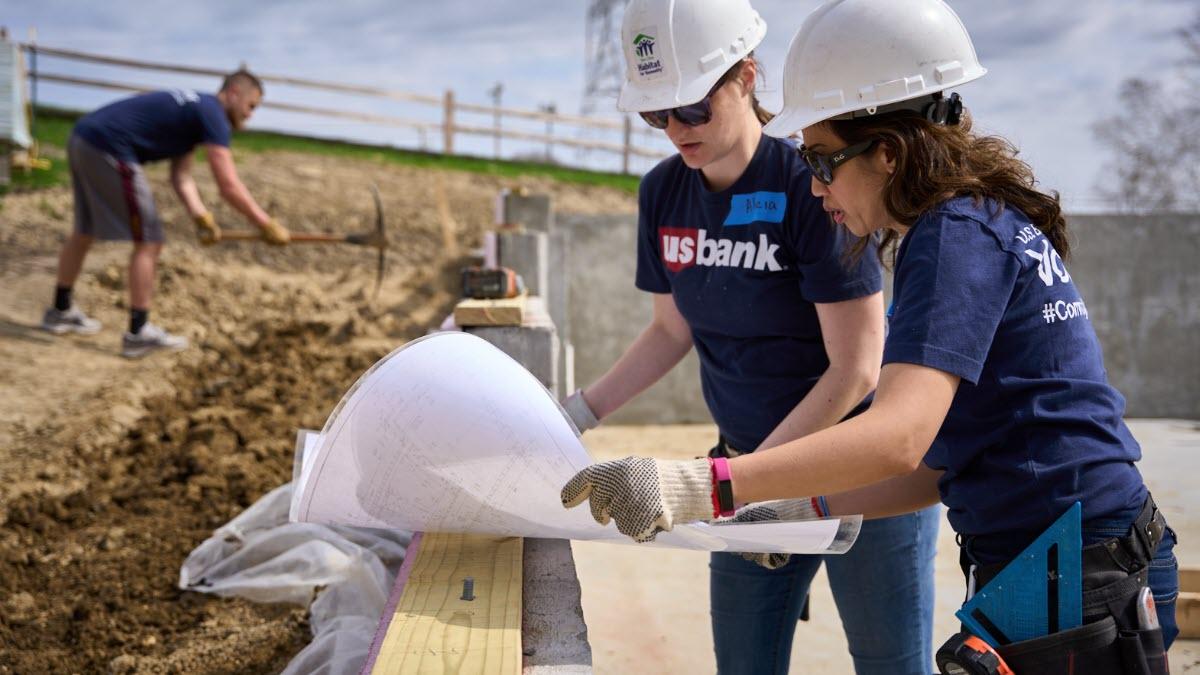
(1187, 605)
(1189, 579)
(434, 630)
(1187, 615)
(504, 312)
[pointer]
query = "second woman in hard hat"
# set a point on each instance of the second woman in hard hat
(743, 265)
(993, 396)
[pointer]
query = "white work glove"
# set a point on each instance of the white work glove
(580, 413)
(645, 496)
(781, 509)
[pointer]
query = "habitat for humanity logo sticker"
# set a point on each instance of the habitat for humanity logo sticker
(645, 48)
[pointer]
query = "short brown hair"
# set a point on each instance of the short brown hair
(242, 78)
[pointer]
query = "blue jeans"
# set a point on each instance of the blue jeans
(883, 587)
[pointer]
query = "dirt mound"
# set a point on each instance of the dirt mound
(115, 470)
(91, 546)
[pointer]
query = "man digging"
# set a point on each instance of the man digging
(113, 202)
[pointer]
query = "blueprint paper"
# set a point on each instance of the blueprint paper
(449, 434)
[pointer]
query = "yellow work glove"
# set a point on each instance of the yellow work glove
(274, 233)
(207, 230)
(645, 496)
(780, 509)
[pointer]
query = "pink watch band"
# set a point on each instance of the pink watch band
(722, 481)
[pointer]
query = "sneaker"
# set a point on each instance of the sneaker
(71, 320)
(148, 339)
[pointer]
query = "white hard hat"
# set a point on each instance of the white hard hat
(858, 56)
(676, 50)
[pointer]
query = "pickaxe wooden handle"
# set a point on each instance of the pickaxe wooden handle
(376, 238)
(296, 237)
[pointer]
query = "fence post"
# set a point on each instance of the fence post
(495, 92)
(448, 123)
(625, 150)
(33, 80)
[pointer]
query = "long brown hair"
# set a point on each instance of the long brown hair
(936, 162)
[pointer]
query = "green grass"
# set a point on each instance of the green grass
(53, 127)
(260, 141)
(49, 131)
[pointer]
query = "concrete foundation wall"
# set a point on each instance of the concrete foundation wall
(1139, 276)
(1140, 279)
(607, 312)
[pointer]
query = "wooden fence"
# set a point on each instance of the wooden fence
(635, 140)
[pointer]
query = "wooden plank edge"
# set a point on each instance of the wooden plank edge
(1189, 579)
(1187, 614)
(385, 620)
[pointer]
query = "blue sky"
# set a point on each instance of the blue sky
(1055, 66)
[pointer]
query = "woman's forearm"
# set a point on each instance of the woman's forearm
(892, 497)
(852, 331)
(887, 441)
(833, 396)
(651, 356)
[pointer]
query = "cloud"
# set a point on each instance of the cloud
(1055, 67)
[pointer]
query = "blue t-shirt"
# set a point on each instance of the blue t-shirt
(745, 266)
(157, 125)
(981, 293)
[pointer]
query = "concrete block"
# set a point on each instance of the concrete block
(557, 297)
(534, 212)
(526, 253)
(534, 345)
(567, 371)
(543, 261)
(553, 633)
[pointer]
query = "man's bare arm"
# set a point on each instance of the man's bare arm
(220, 159)
(185, 185)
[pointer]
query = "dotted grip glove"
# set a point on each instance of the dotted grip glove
(782, 509)
(645, 496)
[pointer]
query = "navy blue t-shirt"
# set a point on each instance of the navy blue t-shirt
(745, 266)
(981, 293)
(157, 125)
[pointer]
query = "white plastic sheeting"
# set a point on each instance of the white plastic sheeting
(14, 126)
(262, 557)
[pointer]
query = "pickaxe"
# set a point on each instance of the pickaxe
(376, 238)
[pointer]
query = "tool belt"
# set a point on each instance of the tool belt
(1110, 641)
(723, 449)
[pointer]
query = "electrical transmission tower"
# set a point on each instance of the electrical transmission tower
(605, 69)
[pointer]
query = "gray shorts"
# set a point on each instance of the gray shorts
(112, 197)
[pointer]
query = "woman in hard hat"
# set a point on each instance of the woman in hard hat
(743, 264)
(993, 396)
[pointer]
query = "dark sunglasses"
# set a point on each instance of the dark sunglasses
(822, 166)
(692, 115)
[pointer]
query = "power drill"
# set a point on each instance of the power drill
(966, 654)
(490, 283)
